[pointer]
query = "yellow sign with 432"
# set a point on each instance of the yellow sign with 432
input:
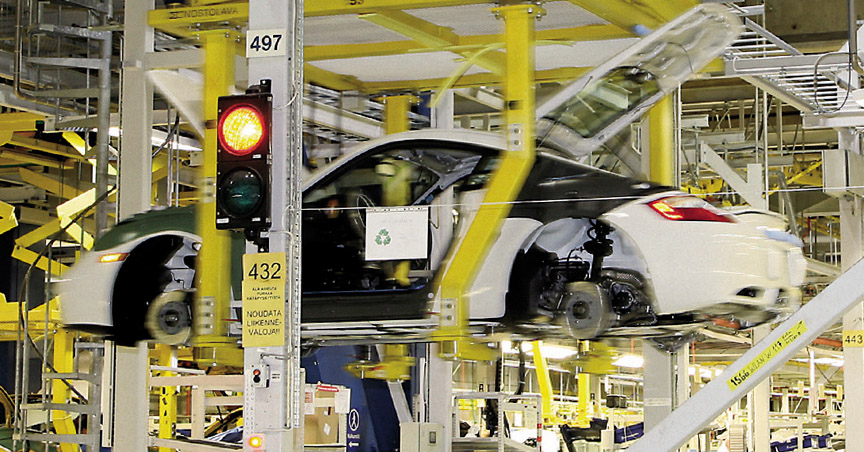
(264, 300)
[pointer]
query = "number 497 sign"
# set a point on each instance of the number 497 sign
(265, 43)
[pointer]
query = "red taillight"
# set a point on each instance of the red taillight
(688, 208)
(241, 130)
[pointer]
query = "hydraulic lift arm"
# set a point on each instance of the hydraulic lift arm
(823, 311)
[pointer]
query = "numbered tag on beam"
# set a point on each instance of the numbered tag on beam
(264, 300)
(265, 43)
(853, 338)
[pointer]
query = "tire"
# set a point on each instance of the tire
(587, 311)
(169, 319)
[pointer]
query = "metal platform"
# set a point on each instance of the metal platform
(477, 444)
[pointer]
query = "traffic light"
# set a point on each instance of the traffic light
(243, 159)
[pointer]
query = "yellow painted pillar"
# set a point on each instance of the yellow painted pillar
(396, 109)
(504, 184)
(167, 396)
(397, 184)
(662, 142)
(63, 362)
(213, 296)
(584, 388)
(544, 381)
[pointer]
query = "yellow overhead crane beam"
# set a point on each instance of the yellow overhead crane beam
(633, 15)
(472, 80)
(432, 35)
(464, 43)
(337, 7)
(504, 185)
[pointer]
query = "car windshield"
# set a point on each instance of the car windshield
(603, 101)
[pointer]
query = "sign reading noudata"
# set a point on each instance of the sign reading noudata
(397, 233)
(264, 300)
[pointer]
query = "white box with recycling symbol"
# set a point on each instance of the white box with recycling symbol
(397, 233)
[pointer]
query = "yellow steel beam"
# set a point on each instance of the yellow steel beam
(167, 356)
(71, 208)
(668, 9)
(63, 362)
(25, 157)
(432, 35)
(544, 381)
(38, 234)
(341, 51)
(504, 184)
(8, 220)
(472, 80)
(49, 184)
(337, 7)
(45, 146)
(214, 277)
(39, 217)
(806, 174)
(662, 142)
(465, 43)
(29, 257)
(330, 80)
(76, 141)
(627, 14)
(10, 319)
(17, 122)
(189, 21)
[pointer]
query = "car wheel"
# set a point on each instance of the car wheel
(587, 311)
(169, 319)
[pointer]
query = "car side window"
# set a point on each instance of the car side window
(386, 179)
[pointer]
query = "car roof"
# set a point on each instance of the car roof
(490, 140)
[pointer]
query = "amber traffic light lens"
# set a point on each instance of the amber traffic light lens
(241, 130)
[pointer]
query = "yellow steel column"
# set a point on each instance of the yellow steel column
(167, 396)
(662, 142)
(504, 184)
(214, 260)
(63, 362)
(396, 109)
(543, 381)
(397, 186)
(584, 389)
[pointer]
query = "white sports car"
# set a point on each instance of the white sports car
(583, 253)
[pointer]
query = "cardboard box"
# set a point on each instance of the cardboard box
(322, 408)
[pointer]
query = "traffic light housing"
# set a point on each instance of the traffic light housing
(243, 159)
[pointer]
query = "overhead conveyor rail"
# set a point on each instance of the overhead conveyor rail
(797, 332)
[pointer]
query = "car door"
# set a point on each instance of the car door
(339, 283)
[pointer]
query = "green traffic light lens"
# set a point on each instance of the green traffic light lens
(241, 192)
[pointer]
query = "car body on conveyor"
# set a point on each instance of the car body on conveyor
(583, 253)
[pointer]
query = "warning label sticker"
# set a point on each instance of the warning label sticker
(767, 355)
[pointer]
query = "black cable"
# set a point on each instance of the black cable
(521, 388)
(23, 292)
(173, 130)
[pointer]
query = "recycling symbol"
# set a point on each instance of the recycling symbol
(383, 237)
